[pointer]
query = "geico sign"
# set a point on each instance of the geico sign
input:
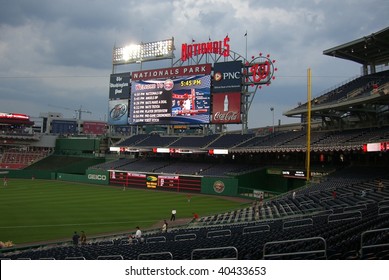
(97, 177)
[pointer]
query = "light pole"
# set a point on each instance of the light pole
(272, 110)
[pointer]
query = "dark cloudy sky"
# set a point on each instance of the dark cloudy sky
(57, 54)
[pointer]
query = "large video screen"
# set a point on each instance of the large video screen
(183, 100)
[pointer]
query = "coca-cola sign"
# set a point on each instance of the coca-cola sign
(226, 107)
(230, 116)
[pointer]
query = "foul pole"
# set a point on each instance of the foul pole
(308, 153)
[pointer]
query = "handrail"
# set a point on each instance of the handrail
(363, 235)
(295, 253)
(297, 223)
(216, 249)
(192, 236)
(261, 228)
(155, 254)
(110, 257)
(227, 231)
(156, 239)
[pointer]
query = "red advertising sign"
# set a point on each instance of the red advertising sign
(97, 128)
(211, 47)
(226, 107)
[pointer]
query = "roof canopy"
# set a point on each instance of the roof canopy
(368, 50)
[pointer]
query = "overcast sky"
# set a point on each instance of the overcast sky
(57, 54)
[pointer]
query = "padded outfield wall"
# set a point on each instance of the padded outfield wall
(99, 177)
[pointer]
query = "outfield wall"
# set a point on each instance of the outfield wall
(99, 177)
(247, 185)
(29, 174)
(219, 186)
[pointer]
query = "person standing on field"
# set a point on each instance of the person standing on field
(5, 181)
(173, 216)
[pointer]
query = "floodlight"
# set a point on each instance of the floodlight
(143, 52)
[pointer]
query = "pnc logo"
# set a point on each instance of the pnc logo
(218, 76)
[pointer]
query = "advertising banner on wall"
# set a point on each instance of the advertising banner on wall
(226, 107)
(118, 112)
(227, 76)
(119, 86)
(182, 100)
(97, 128)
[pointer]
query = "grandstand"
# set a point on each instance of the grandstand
(338, 213)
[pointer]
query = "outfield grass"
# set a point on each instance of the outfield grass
(42, 211)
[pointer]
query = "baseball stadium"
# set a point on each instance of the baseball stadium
(162, 179)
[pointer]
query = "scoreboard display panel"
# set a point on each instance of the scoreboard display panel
(182, 100)
(156, 181)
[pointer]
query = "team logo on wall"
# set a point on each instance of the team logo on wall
(168, 85)
(218, 186)
(118, 111)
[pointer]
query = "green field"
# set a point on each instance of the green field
(44, 211)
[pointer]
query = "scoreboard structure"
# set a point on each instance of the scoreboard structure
(189, 92)
(170, 182)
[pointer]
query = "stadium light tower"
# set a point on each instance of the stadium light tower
(272, 110)
(139, 53)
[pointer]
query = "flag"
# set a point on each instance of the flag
(193, 40)
(209, 38)
(245, 34)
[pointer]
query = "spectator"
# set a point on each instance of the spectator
(256, 214)
(195, 217)
(164, 227)
(380, 186)
(138, 234)
(334, 194)
(83, 238)
(261, 201)
(294, 195)
(75, 238)
(173, 216)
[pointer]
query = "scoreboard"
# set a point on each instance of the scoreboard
(171, 101)
(156, 181)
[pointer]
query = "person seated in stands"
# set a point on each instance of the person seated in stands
(164, 227)
(83, 238)
(380, 186)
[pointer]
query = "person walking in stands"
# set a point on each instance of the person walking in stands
(195, 217)
(75, 238)
(138, 234)
(173, 216)
(334, 194)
